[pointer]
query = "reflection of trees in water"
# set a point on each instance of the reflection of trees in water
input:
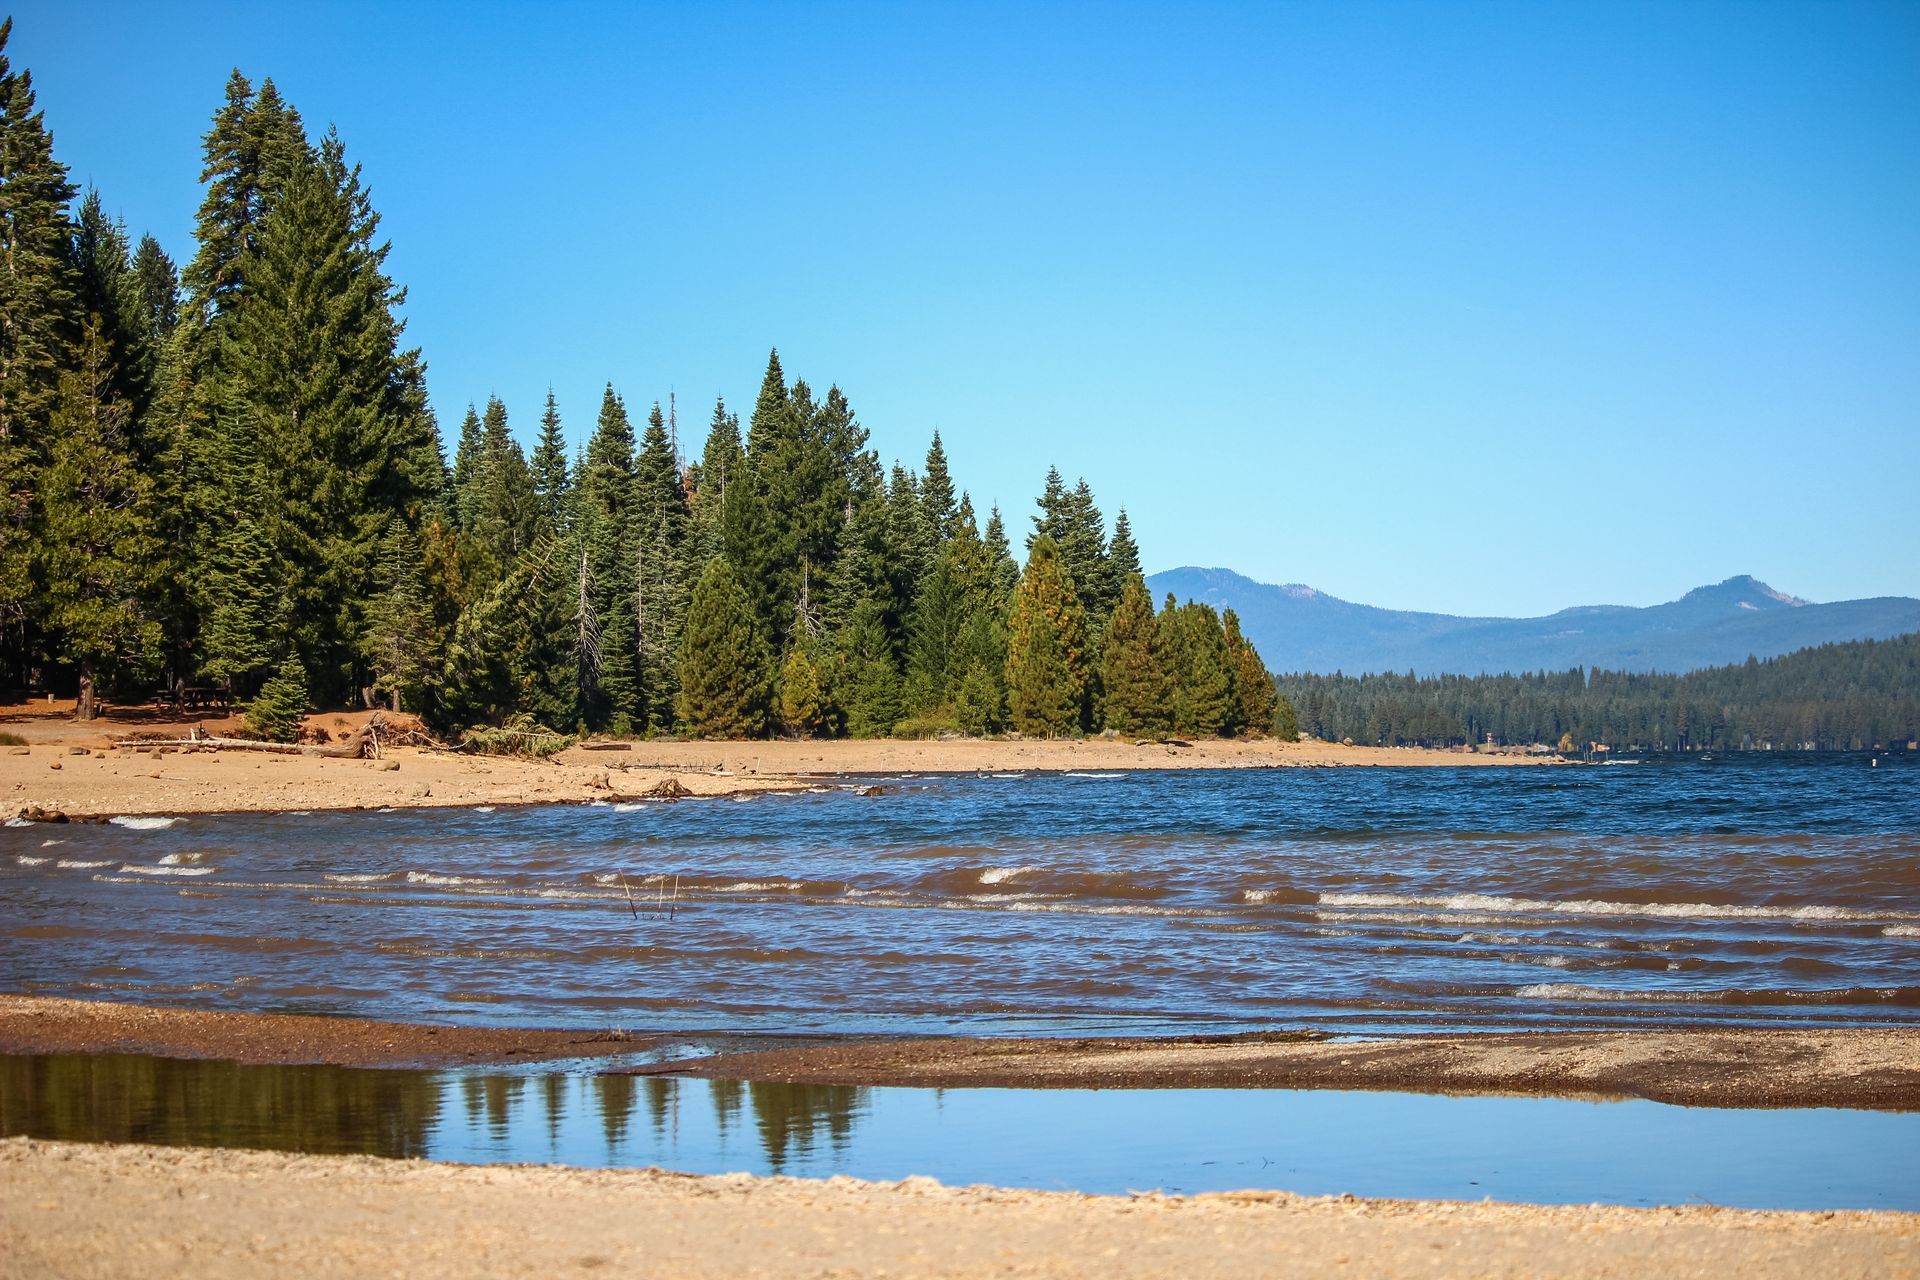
(793, 1116)
(663, 1107)
(615, 1094)
(726, 1103)
(554, 1086)
(122, 1098)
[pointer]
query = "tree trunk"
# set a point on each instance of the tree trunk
(86, 710)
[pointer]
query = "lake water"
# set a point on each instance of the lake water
(1758, 890)
(1315, 1142)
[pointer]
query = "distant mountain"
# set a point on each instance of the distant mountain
(1299, 629)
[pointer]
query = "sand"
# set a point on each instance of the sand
(1770, 1067)
(76, 768)
(101, 1211)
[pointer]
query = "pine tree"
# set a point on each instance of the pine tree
(800, 703)
(504, 507)
(1286, 725)
(98, 548)
(760, 520)
(109, 292)
(874, 694)
(278, 711)
(38, 321)
(659, 575)
(246, 620)
(934, 628)
(1253, 691)
(1200, 668)
(936, 492)
(1123, 555)
(399, 637)
(551, 480)
(1046, 648)
(469, 463)
(606, 481)
(1006, 572)
(1133, 671)
(723, 660)
(343, 436)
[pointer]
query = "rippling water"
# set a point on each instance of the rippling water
(1769, 889)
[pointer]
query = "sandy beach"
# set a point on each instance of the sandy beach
(71, 1210)
(77, 769)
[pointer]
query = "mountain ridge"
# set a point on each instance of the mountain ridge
(1299, 628)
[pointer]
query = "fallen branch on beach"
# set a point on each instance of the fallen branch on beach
(362, 742)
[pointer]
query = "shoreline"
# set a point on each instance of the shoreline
(78, 770)
(1872, 1068)
(113, 1210)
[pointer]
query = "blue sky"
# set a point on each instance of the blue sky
(1478, 308)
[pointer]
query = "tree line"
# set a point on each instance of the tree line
(1850, 696)
(230, 473)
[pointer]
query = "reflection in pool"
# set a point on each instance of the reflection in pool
(1188, 1140)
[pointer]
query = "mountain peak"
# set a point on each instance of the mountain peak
(1743, 591)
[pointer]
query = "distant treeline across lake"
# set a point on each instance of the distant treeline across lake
(1850, 697)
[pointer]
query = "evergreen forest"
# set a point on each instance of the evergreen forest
(227, 474)
(1837, 697)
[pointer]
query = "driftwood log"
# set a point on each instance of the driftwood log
(364, 741)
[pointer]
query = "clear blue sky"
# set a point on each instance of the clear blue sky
(1480, 308)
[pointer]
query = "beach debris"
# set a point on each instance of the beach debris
(76, 751)
(667, 789)
(34, 813)
(875, 790)
(600, 781)
(520, 736)
(606, 746)
(364, 741)
(389, 766)
(19, 751)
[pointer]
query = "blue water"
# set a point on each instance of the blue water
(1310, 1142)
(1749, 890)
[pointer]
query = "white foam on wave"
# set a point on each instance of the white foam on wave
(18, 821)
(48, 844)
(1484, 903)
(1900, 931)
(1000, 875)
(1006, 775)
(1093, 775)
(26, 861)
(368, 877)
(626, 807)
(760, 886)
(429, 877)
(184, 859)
(143, 823)
(483, 808)
(77, 864)
(132, 870)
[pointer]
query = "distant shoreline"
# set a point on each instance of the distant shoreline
(76, 769)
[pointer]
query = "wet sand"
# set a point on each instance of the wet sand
(1872, 1067)
(73, 1210)
(78, 770)
(1877, 1067)
(37, 1024)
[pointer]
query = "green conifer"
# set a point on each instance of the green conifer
(800, 703)
(399, 635)
(279, 710)
(723, 660)
(551, 481)
(936, 492)
(98, 549)
(1046, 648)
(1133, 672)
(659, 575)
(1253, 690)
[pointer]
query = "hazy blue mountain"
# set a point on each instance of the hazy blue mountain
(1299, 629)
